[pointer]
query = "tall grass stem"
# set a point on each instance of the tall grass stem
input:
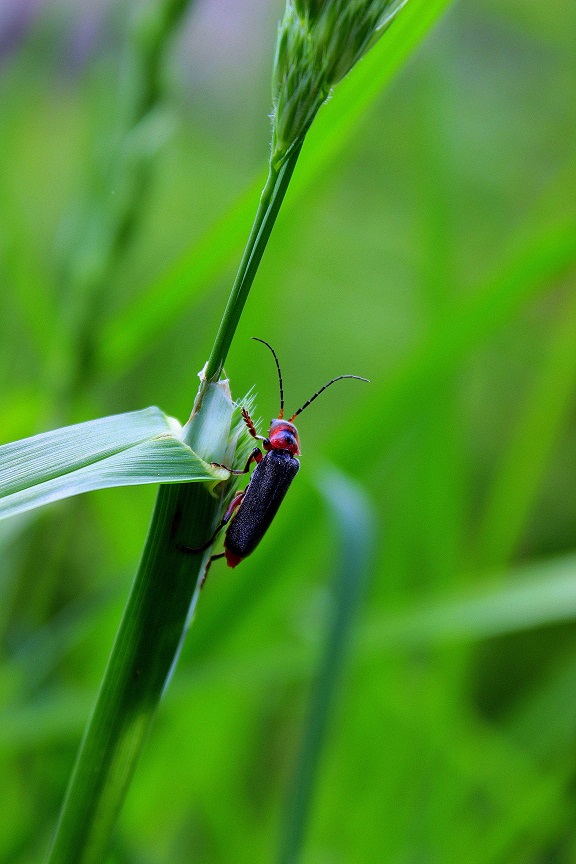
(268, 208)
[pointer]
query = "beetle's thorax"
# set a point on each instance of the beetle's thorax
(283, 435)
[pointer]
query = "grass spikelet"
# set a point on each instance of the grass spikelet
(318, 44)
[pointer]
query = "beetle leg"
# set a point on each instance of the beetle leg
(255, 456)
(236, 501)
(225, 519)
(250, 425)
(208, 565)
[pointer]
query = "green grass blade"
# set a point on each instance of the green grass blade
(534, 596)
(354, 520)
(121, 450)
(266, 215)
(543, 417)
(127, 338)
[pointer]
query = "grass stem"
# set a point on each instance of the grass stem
(145, 650)
(270, 203)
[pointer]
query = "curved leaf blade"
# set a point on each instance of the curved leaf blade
(128, 449)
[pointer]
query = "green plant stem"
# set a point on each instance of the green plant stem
(145, 650)
(152, 32)
(141, 659)
(270, 202)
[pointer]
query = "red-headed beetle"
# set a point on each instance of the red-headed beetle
(251, 511)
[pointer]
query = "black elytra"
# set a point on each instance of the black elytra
(268, 485)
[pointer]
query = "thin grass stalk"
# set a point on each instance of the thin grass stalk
(268, 209)
(163, 596)
(164, 593)
(141, 659)
(353, 515)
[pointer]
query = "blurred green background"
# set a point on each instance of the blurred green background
(435, 254)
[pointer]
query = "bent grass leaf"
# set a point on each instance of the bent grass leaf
(122, 450)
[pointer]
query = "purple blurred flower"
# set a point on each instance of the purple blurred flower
(90, 31)
(224, 35)
(16, 17)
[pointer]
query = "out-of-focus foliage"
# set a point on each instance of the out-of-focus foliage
(437, 258)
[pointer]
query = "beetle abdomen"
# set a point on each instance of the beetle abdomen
(268, 486)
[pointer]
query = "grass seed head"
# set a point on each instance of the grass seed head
(319, 41)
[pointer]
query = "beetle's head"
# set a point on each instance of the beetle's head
(283, 435)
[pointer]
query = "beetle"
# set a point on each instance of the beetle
(251, 511)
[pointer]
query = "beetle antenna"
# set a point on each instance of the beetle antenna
(318, 392)
(256, 339)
